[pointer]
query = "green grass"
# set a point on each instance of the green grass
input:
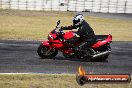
(31, 25)
(49, 81)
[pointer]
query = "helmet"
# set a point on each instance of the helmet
(78, 19)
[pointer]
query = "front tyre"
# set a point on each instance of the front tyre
(45, 52)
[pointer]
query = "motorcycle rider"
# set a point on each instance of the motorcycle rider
(85, 32)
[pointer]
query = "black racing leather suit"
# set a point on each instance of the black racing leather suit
(85, 32)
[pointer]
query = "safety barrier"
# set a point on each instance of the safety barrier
(106, 6)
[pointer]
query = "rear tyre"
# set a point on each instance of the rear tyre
(102, 58)
(108, 47)
(45, 52)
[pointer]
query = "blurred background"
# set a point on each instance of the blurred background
(105, 6)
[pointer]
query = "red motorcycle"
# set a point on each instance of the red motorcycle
(98, 51)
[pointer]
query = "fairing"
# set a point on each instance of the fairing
(46, 43)
(69, 35)
(101, 43)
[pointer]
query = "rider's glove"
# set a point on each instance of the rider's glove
(61, 29)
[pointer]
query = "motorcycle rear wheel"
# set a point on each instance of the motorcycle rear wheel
(100, 59)
(45, 52)
(103, 58)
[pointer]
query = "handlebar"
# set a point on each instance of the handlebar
(61, 31)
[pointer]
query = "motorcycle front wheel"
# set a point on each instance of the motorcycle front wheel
(45, 52)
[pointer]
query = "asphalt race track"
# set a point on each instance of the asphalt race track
(21, 57)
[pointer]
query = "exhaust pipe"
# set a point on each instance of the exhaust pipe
(101, 54)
